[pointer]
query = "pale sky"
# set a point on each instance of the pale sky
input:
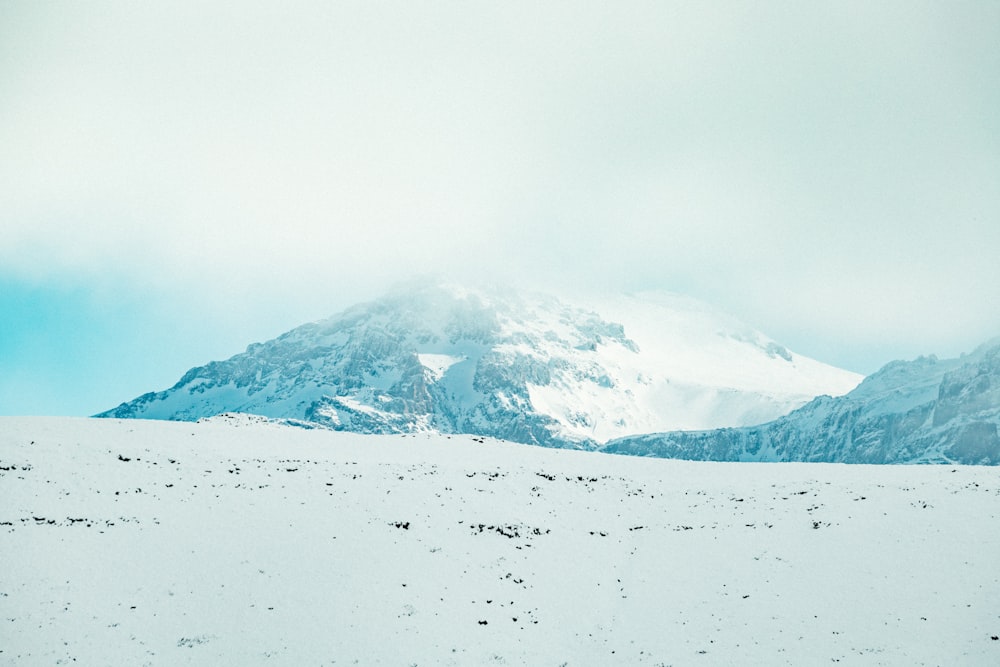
(180, 179)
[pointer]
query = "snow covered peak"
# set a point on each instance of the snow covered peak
(702, 345)
(522, 366)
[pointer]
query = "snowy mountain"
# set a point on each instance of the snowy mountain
(922, 411)
(241, 542)
(523, 367)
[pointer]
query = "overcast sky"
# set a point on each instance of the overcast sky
(178, 180)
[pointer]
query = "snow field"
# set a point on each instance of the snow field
(236, 541)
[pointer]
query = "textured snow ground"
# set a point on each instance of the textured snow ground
(239, 543)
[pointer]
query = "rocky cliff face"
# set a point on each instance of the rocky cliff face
(522, 367)
(923, 411)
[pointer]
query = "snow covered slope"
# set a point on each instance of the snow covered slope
(523, 367)
(925, 410)
(242, 543)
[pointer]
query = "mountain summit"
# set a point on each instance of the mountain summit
(525, 367)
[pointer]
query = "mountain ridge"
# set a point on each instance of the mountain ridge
(921, 411)
(521, 366)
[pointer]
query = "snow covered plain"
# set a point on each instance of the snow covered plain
(239, 542)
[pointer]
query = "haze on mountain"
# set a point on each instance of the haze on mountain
(520, 366)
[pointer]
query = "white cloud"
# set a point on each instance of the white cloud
(829, 173)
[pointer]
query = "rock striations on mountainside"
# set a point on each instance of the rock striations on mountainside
(922, 411)
(522, 367)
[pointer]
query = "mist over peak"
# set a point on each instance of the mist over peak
(520, 365)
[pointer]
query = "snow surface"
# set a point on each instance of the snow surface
(238, 541)
(438, 364)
